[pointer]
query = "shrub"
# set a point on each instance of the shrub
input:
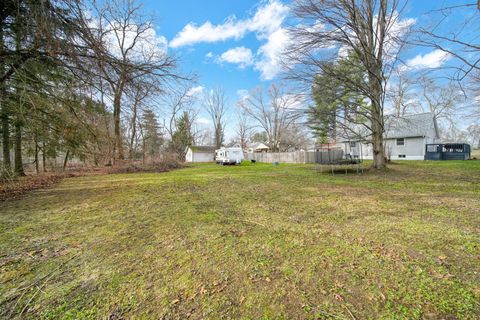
(6, 174)
(163, 164)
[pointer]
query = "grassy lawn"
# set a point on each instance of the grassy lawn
(247, 242)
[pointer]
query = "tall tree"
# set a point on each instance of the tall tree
(179, 99)
(152, 135)
(441, 100)
(337, 105)
(401, 95)
(369, 29)
(182, 137)
(215, 104)
(274, 113)
(243, 130)
(126, 51)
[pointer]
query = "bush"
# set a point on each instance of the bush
(166, 163)
(6, 174)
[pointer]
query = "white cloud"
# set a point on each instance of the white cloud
(195, 91)
(398, 30)
(202, 121)
(266, 20)
(209, 55)
(207, 32)
(270, 54)
(266, 23)
(429, 60)
(239, 55)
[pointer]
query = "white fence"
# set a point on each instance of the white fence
(323, 156)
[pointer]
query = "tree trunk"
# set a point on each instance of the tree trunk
(143, 152)
(5, 137)
(134, 131)
(4, 112)
(18, 150)
(44, 157)
(37, 150)
(116, 121)
(377, 130)
(65, 161)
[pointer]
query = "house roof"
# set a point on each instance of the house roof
(203, 149)
(414, 125)
(408, 126)
(258, 145)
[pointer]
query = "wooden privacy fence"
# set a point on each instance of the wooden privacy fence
(322, 156)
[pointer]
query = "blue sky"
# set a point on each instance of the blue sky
(233, 43)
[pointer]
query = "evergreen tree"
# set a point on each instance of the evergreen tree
(152, 136)
(337, 103)
(182, 137)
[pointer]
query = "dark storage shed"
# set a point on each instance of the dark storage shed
(447, 151)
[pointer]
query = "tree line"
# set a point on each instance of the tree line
(70, 70)
(92, 81)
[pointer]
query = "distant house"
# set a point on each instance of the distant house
(200, 154)
(405, 138)
(257, 147)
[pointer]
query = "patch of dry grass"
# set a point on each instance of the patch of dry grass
(252, 241)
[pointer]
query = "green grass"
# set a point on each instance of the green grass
(247, 242)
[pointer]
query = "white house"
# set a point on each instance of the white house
(200, 154)
(405, 138)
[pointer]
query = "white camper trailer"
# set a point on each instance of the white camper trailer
(228, 156)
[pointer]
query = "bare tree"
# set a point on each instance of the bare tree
(295, 138)
(179, 99)
(274, 113)
(442, 101)
(370, 30)
(137, 96)
(215, 103)
(401, 96)
(472, 133)
(458, 40)
(126, 50)
(243, 130)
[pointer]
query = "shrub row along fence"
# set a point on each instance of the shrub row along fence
(322, 156)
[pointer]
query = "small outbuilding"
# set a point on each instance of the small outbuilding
(200, 154)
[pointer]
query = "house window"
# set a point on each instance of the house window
(400, 141)
(353, 144)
